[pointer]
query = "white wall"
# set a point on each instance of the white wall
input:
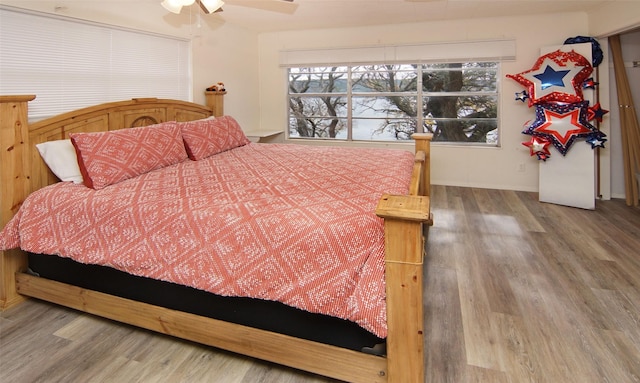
(614, 17)
(229, 54)
(451, 165)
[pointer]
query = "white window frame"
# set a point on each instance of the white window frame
(349, 95)
(432, 52)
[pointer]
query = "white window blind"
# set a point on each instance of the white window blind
(493, 50)
(70, 64)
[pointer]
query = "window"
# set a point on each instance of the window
(457, 102)
(70, 64)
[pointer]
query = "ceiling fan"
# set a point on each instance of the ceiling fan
(207, 6)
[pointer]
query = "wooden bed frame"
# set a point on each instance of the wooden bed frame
(406, 220)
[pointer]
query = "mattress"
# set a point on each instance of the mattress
(257, 313)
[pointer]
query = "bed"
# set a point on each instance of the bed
(405, 219)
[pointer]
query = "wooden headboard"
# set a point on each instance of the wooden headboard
(100, 118)
(23, 171)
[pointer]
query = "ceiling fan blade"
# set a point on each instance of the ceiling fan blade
(206, 10)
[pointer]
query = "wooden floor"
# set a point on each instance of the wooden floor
(515, 291)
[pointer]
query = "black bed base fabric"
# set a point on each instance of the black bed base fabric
(257, 313)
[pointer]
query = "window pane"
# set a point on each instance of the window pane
(315, 127)
(384, 78)
(461, 106)
(460, 77)
(480, 80)
(318, 80)
(462, 130)
(383, 129)
(384, 107)
(325, 106)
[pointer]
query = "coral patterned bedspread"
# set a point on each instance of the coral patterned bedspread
(281, 222)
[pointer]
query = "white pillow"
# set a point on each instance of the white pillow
(61, 158)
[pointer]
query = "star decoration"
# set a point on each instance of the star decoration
(596, 51)
(596, 113)
(561, 124)
(551, 77)
(538, 146)
(522, 96)
(543, 156)
(596, 140)
(589, 83)
(557, 76)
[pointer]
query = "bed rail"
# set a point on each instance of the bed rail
(336, 362)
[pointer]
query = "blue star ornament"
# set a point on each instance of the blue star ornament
(597, 140)
(522, 96)
(551, 77)
(596, 113)
(589, 83)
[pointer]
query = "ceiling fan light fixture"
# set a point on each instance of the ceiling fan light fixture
(173, 6)
(210, 6)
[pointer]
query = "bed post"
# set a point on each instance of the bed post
(423, 144)
(14, 185)
(215, 101)
(405, 218)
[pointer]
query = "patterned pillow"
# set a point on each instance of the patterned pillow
(204, 138)
(106, 158)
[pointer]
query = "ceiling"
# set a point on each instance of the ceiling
(270, 15)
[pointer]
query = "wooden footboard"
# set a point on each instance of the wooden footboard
(406, 218)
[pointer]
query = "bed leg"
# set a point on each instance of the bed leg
(11, 262)
(404, 243)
